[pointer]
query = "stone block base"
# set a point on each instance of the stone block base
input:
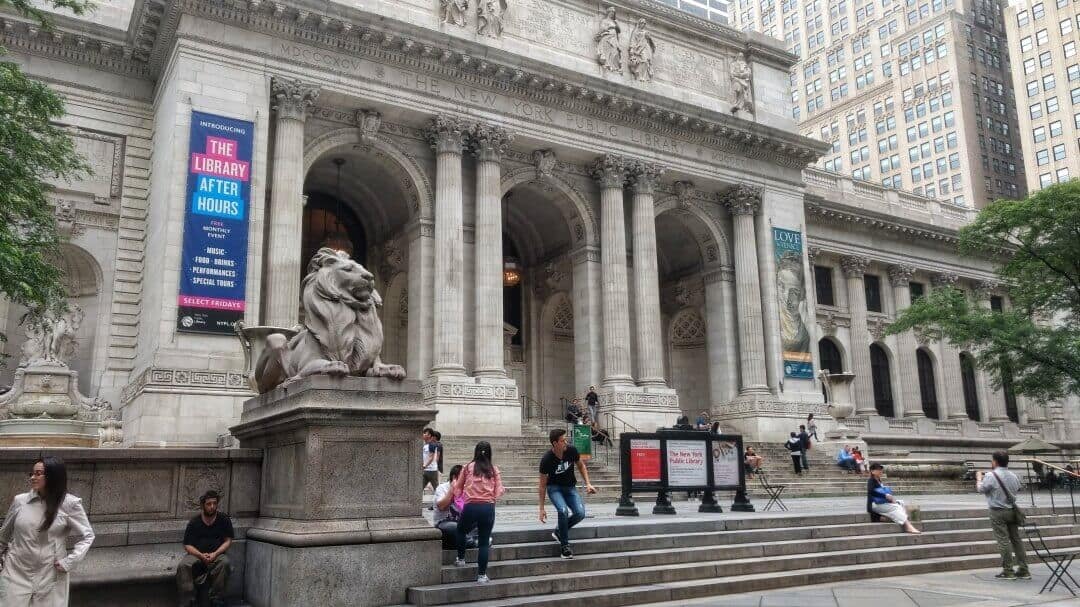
(378, 572)
(165, 407)
(45, 432)
(469, 406)
(766, 418)
(645, 409)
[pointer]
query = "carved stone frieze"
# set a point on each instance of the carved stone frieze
(160, 378)
(292, 98)
(743, 199)
(640, 52)
(945, 279)
(447, 134)
(544, 161)
(900, 275)
(369, 122)
(610, 170)
(489, 142)
(685, 191)
(854, 266)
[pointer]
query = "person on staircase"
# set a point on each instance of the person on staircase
(805, 438)
(481, 484)
(592, 401)
(794, 447)
(880, 501)
(845, 460)
(558, 483)
(811, 427)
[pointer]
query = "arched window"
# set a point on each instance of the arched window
(1011, 410)
(829, 357)
(879, 368)
(971, 397)
(927, 390)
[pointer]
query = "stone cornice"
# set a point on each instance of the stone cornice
(822, 211)
(84, 46)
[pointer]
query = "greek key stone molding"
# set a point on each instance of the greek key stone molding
(900, 276)
(489, 142)
(447, 134)
(467, 390)
(751, 408)
(292, 98)
(610, 170)
(644, 176)
(945, 279)
(200, 381)
(854, 266)
(743, 199)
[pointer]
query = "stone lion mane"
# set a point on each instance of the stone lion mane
(341, 334)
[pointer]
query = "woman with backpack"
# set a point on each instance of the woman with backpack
(481, 485)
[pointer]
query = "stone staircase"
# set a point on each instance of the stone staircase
(654, 561)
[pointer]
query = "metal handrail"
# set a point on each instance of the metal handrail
(623, 424)
(1073, 477)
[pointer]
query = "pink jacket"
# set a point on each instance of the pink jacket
(477, 489)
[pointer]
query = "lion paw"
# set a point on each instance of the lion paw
(389, 371)
(336, 368)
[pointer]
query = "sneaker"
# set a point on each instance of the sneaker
(1006, 575)
(567, 553)
(459, 563)
(1023, 574)
(555, 536)
(482, 579)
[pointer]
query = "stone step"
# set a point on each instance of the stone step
(615, 567)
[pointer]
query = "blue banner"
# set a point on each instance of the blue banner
(794, 309)
(214, 256)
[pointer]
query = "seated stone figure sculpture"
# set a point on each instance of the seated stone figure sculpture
(341, 335)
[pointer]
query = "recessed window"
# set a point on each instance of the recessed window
(823, 285)
(872, 289)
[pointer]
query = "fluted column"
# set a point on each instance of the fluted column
(610, 171)
(650, 363)
(719, 344)
(489, 143)
(291, 98)
(743, 202)
(854, 268)
(910, 404)
(447, 135)
(991, 401)
(951, 375)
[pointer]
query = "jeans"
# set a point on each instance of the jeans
(571, 509)
(848, 464)
(805, 460)
(481, 516)
(1007, 536)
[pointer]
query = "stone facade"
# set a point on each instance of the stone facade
(640, 206)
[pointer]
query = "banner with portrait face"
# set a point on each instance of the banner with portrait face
(794, 311)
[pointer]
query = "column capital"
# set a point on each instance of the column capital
(854, 266)
(447, 134)
(984, 288)
(610, 170)
(489, 142)
(900, 275)
(292, 98)
(812, 254)
(644, 176)
(743, 199)
(945, 279)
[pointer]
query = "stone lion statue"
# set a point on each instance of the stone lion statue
(341, 334)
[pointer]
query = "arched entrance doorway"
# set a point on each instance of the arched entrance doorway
(830, 359)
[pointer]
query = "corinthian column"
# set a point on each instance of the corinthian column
(952, 377)
(854, 268)
(610, 172)
(743, 202)
(910, 404)
(489, 143)
(447, 135)
(650, 364)
(991, 401)
(291, 98)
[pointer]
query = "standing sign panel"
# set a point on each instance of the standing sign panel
(686, 463)
(645, 460)
(214, 256)
(725, 463)
(582, 440)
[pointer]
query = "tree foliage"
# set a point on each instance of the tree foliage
(33, 151)
(1035, 343)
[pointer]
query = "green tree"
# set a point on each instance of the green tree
(1035, 344)
(33, 150)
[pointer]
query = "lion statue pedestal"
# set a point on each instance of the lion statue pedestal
(340, 430)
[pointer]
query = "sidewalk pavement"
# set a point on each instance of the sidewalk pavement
(514, 518)
(976, 588)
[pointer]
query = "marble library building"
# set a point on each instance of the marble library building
(550, 194)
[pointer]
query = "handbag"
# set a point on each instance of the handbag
(1021, 518)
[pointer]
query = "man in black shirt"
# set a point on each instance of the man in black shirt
(557, 482)
(206, 539)
(592, 401)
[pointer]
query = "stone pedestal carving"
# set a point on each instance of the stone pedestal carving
(44, 407)
(338, 518)
(838, 389)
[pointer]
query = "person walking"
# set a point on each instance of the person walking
(805, 439)
(880, 501)
(811, 427)
(1000, 487)
(794, 447)
(34, 534)
(558, 483)
(429, 458)
(481, 484)
(592, 401)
